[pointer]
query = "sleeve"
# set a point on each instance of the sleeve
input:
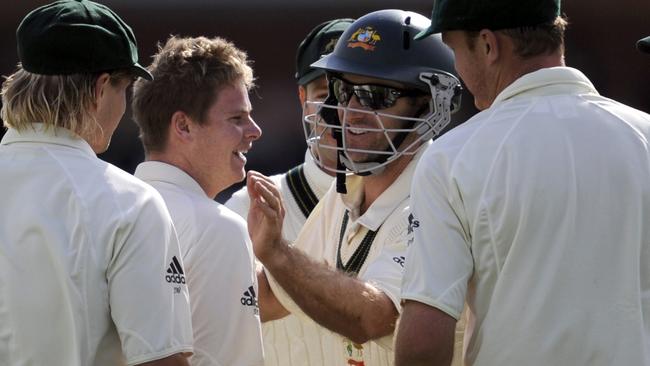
(149, 300)
(386, 269)
(239, 202)
(223, 293)
(439, 262)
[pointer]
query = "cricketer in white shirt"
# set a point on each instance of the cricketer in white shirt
(220, 267)
(536, 211)
(336, 214)
(84, 253)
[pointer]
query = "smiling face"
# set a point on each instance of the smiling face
(357, 135)
(223, 139)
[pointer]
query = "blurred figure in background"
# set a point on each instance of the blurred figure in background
(643, 45)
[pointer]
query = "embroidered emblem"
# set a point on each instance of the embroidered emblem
(365, 38)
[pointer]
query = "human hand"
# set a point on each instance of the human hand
(265, 215)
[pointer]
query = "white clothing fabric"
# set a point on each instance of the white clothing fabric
(317, 180)
(536, 210)
(290, 341)
(220, 267)
(84, 249)
(319, 239)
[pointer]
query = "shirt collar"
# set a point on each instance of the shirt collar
(387, 202)
(548, 81)
(157, 171)
(318, 180)
(38, 133)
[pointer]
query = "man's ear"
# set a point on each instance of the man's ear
(302, 94)
(100, 85)
(489, 45)
(181, 126)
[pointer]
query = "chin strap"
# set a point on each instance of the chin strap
(331, 117)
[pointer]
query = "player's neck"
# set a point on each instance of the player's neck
(375, 185)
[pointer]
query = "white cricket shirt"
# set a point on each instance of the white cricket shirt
(290, 341)
(538, 210)
(382, 268)
(84, 253)
(220, 267)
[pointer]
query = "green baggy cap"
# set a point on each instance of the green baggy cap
(74, 37)
(319, 42)
(474, 15)
(643, 45)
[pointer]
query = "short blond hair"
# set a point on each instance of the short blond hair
(54, 100)
(188, 75)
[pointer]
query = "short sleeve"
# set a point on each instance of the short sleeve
(387, 268)
(148, 295)
(239, 202)
(438, 261)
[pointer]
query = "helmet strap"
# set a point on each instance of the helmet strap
(331, 116)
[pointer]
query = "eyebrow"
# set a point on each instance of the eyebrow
(239, 111)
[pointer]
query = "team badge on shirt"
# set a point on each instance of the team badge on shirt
(353, 353)
(365, 38)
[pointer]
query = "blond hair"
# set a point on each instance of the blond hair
(188, 75)
(63, 101)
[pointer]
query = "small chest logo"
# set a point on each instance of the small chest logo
(413, 224)
(354, 353)
(175, 272)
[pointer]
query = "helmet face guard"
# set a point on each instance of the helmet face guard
(381, 46)
(332, 118)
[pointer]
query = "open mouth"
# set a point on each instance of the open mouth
(241, 154)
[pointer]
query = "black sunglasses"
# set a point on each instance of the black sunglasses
(369, 95)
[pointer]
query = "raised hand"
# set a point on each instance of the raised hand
(265, 216)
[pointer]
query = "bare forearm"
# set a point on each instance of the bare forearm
(178, 359)
(336, 301)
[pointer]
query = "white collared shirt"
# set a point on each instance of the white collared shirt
(219, 261)
(536, 210)
(289, 341)
(84, 254)
(319, 239)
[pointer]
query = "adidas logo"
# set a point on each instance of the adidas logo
(249, 298)
(175, 272)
